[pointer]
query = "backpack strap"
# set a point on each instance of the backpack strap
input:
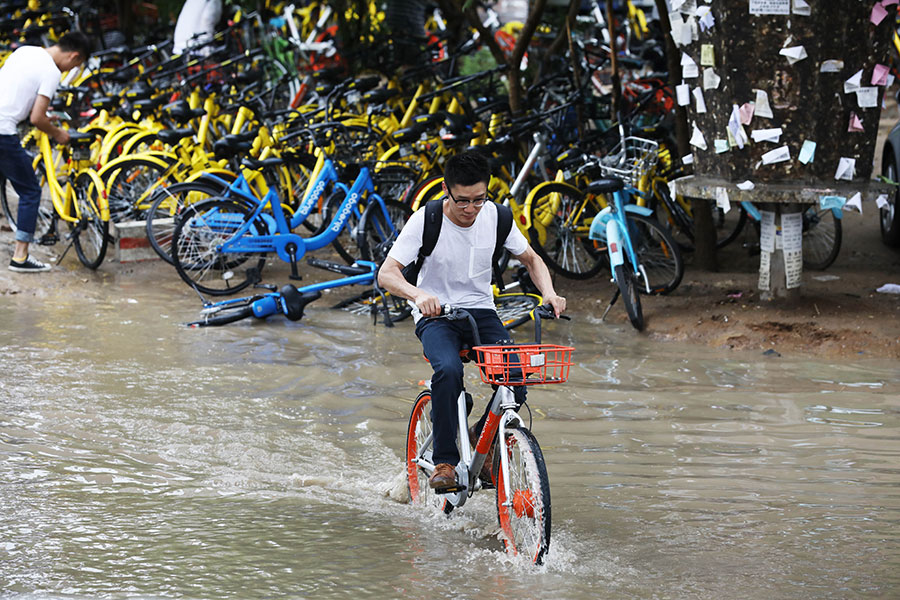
(504, 226)
(434, 218)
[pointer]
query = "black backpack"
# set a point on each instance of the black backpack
(433, 220)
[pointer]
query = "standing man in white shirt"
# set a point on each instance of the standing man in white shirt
(458, 273)
(28, 81)
(196, 24)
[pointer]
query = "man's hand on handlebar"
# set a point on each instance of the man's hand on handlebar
(558, 303)
(428, 304)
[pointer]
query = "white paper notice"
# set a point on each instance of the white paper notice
(801, 7)
(765, 264)
(721, 146)
(770, 7)
(746, 185)
(734, 127)
(710, 79)
(846, 168)
(855, 201)
(706, 18)
(854, 83)
(807, 152)
(881, 201)
(793, 54)
(675, 4)
(767, 231)
(832, 66)
(722, 200)
(766, 135)
(762, 108)
(697, 138)
(687, 159)
(793, 268)
(683, 94)
(792, 232)
(689, 68)
(777, 155)
(699, 100)
(867, 97)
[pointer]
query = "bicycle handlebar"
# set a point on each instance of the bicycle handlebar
(544, 311)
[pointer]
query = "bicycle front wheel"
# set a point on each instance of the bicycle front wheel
(199, 234)
(523, 509)
(560, 220)
(420, 444)
(657, 252)
(822, 237)
(628, 291)
(515, 309)
(93, 232)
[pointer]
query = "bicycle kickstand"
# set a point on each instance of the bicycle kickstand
(292, 253)
(611, 302)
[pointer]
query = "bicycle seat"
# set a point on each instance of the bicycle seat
(77, 138)
(379, 95)
(149, 104)
(104, 103)
(428, 120)
(173, 136)
(181, 112)
(230, 146)
(606, 185)
(261, 164)
(139, 91)
(365, 83)
(408, 134)
(295, 301)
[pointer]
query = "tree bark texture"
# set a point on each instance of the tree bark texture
(807, 103)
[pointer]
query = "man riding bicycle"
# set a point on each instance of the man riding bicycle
(457, 272)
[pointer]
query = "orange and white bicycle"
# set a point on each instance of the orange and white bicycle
(518, 472)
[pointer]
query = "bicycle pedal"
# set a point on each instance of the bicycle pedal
(450, 490)
(48, 240)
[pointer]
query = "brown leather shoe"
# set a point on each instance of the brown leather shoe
(485, 473)
(444, 477)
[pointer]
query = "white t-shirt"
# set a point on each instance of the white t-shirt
(27, 72)
(458, 271)
(196, 16)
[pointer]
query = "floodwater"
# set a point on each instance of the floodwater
(142, 459)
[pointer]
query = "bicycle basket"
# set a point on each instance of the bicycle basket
(630, 159)
(524, 364)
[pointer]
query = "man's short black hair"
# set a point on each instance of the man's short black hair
(467, 168)
(75, 41)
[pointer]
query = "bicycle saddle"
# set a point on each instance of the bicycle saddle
(149, 104)
(105, 102)
(605, 186)
(139, 91)
(379, 95)
(230, 146)
(295, 301)
(181, 112)
(77, 138)
(173, 136)
(408, 134)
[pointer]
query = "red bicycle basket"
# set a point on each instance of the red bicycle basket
(529, 364)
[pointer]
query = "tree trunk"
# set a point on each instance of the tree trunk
(704, 229)
(514, 72)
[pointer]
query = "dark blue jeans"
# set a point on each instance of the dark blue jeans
(442, 340)
(15, 165)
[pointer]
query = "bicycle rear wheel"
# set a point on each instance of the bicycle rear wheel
(524, 509)
(560, 219)
(657, 252)
(225, 316)
(376, 233)
(9, 200)
(128, 188)
(822, 237)
(630, 296)
(203, 228)
(93, 232)
(166, 208)
(419, 441)
(515, 309)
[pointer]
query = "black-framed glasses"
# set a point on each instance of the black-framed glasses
(477, 203)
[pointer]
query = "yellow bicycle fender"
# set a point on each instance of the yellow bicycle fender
(526, 210)
(163, 160)
(426, 193)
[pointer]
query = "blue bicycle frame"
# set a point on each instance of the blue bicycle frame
(611, 226)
